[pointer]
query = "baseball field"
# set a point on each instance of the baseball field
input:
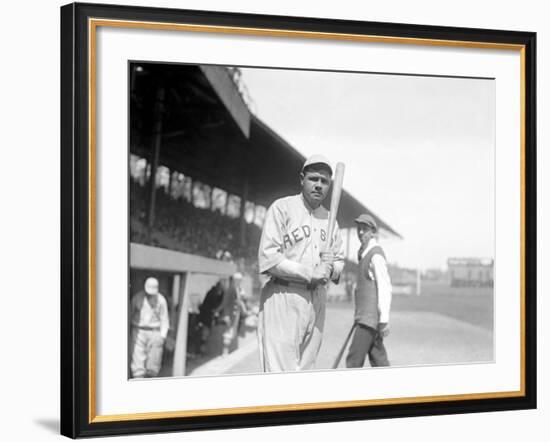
(443, 325)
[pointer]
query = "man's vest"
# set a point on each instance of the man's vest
(366, 293)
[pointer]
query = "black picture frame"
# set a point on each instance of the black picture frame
(77, 251)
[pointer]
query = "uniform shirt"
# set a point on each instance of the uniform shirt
(293, 237)
(151, 316)
(378, 271)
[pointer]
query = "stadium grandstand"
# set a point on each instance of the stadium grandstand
(203, 169)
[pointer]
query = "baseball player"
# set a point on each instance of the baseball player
(292, 302)
(150, 324)
(372, 299)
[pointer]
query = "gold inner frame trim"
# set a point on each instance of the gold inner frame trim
(92, 28)
(262, 32)
(297, 407)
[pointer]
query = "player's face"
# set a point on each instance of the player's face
(364, 233)
(315, 186)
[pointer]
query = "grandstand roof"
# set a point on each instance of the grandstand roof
(202, 139)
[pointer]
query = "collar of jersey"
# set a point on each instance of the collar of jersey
(307, 206)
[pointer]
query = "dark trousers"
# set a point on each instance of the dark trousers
(366, 340)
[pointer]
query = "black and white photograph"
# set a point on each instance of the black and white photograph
(285, 220)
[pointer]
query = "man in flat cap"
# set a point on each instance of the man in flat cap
(292, 303)
(372, 299)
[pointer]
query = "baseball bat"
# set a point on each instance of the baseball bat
(341, 353)
(335, 201)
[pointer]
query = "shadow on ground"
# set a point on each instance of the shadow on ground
(49, 424)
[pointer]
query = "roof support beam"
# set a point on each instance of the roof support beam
(229, 94)
(155, 154)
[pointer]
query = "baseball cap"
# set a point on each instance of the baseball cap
(151, 286)
(367, 219)
(317, 159)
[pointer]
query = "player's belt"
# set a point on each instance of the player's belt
(286, 283)
(145, 327)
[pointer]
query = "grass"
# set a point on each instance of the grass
(471, 305)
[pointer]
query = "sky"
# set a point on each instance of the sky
(419, 151)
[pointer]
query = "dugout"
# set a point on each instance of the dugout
(182, 278)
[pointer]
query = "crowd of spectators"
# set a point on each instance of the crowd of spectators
(179, 225)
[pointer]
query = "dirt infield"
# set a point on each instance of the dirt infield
(417, 338)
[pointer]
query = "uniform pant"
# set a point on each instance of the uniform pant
(366, 340)
(290, 326)
(146, 353)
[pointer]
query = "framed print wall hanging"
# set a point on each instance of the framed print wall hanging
(275, 220)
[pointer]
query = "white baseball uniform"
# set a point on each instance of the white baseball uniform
(150, 324)
(292, 312)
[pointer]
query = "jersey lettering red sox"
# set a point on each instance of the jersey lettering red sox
(293, 231)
